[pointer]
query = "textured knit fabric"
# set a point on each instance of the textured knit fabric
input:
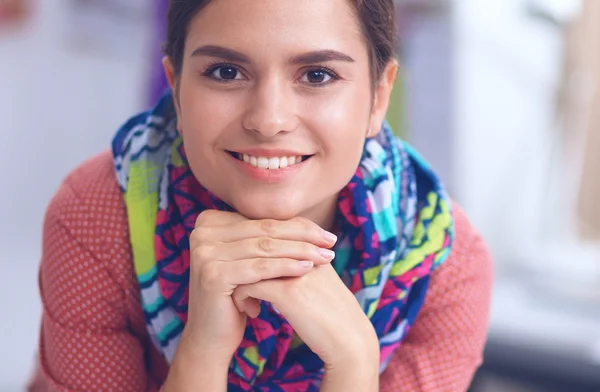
(93, 335)
(394, 226)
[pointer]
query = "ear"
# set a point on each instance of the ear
(381, 96)
(173, 82)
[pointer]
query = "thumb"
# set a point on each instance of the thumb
(250, 306)
(247, 297)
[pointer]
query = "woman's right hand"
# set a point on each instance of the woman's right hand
(226, 251)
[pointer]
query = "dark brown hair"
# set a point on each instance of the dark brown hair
(376, 19)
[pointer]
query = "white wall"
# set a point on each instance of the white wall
(58, 106)
(507, 167)
(428, 65)
(507, 67)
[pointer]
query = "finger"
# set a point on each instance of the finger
(250, 306)
(294, 230)
(266, 247)
(250, 271)
(206, 223)
(264, 291)
(211, 218)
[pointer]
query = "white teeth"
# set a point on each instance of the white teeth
(273, 163)
(263, 162)
(270, 163)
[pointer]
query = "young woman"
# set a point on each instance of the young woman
(261, 228)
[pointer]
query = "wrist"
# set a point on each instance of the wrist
(356, 374)
(367, 360)
(194, 369)
(362, 350)
(196, 349)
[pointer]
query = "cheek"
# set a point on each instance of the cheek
(205, 114)
(345, 147)
(342, 120)
(346, 103)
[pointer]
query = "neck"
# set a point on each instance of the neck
(324, 213)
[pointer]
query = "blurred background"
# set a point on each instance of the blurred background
(501, 96)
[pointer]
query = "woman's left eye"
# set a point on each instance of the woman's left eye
(224, 72)
(318, 76)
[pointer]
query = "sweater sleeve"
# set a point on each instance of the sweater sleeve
(445, 346)
(86, 339)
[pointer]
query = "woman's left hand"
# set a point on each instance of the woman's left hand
(325, 315)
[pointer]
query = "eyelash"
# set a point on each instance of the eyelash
(216, 65)
(220, 64)
(334, 76)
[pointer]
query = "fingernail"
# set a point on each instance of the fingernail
(329, 237)
(306, 264)
(326, 253)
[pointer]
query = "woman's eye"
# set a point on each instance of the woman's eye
(226, 72)
(317, 76)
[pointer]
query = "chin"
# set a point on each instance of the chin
(267, 209)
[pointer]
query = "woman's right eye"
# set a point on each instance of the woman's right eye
(225, 73)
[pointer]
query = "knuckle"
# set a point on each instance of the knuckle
(265, 245)
(199, 236)
(261, 267)
(268, 227)
(204, 218)
(209, 275)
(201, 254)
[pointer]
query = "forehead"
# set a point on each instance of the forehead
(276, 25)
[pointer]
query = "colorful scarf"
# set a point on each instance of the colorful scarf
(395, 228)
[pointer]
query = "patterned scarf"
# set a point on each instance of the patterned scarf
(395, 228)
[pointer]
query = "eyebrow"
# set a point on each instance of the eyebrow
(221, 52)
(319, 56)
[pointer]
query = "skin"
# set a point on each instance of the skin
(318, 107)
(273, 105)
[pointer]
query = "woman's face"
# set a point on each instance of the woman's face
(275, 102)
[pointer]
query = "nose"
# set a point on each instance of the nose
(271, 108)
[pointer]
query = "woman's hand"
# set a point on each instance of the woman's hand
(327, 317)
(228, 250)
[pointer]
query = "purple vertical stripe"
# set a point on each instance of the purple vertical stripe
(158, 82)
